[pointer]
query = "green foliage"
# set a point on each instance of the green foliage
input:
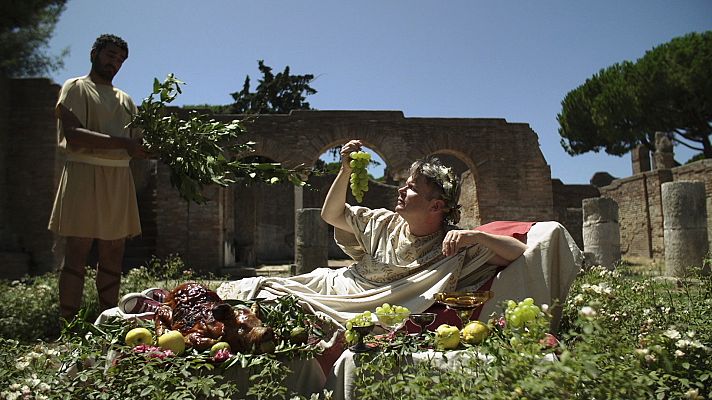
(622, 106)
(30, 308)
(26, 28)
(624, 335)
(210, 108)
(199, 151)
(275, 94)
(92, 362)
(661, 325)
(696, 157)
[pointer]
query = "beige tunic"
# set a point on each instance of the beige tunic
(96, 197)
(392, 266)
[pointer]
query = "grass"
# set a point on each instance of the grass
(625, 334)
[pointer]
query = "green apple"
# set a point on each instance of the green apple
(173, 341)
(219, 346)
(475, 332)
(447, 337)
(137, 336)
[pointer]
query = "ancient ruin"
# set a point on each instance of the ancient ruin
(504, 172)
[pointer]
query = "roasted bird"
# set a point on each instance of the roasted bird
(204, 319)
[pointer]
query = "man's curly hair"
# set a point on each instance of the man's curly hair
(106, 39)
(445, 183)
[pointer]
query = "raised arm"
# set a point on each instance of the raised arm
(335, 203)
(506, 248)
(79, 136)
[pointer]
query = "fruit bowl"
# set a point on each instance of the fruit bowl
(464, 302)
(392, 321)
(464, 299)
(423, 320)
(361, 331)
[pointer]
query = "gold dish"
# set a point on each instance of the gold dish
(463, 302)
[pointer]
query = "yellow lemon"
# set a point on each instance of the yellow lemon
(173, 341)
(447, 337)
(475, 332)
(137, 336)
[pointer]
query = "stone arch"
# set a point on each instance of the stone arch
(333, 144)
(467, 171)
(512, 179)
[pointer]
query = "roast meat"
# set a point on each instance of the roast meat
(204, 319)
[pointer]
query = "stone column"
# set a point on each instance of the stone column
(311, 241)
(640, 158)
(601, 232)
(685, 225)
(664, 151)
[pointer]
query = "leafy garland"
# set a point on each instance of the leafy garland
(201, 151)
(99, 358)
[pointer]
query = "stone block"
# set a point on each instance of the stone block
(685, 226)
(684, 205)
(311, 241)
(599, 210)
(601, 231)
(684, 248)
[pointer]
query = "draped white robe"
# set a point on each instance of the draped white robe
(392, 266)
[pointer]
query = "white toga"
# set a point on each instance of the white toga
(393, 266)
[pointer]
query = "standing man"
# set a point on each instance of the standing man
(96, 198)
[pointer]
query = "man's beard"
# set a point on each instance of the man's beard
(107, 72)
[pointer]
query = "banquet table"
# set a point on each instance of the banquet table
(306, 376)
(341, 378)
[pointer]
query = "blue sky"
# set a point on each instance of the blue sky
(474, 59)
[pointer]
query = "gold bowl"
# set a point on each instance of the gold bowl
(464, 302)
(464, 299)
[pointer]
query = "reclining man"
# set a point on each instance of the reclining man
(404, 257)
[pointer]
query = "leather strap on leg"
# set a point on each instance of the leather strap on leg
(108, 284)
(71, 287)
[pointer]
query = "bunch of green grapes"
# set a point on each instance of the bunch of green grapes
(363, 319)
(392, 315)
(529, 325)
(359, 176)
(525, 314)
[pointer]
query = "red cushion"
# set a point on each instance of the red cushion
(515, 229)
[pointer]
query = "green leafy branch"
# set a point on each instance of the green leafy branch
(200, 151)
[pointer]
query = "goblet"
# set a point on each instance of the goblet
(463, 302)
(392, 321)
(362, 331)
(423, 320)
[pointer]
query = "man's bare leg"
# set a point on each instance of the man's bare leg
(108, 276)
(71, 276)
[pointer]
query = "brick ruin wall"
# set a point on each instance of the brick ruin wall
(4, 143)
(28, 170)
(242, 226)
(639, 199)
(567, 206)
